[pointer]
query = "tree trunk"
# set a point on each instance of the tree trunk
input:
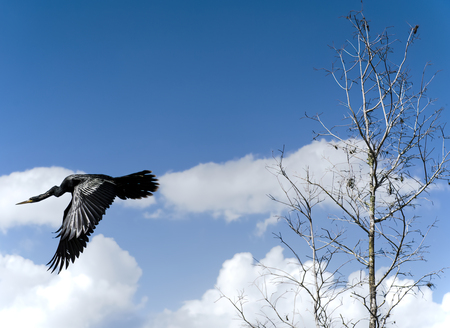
(372, 289)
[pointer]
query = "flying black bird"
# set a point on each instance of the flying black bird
(92, 194)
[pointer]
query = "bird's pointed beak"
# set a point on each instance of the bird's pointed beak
(27, 201)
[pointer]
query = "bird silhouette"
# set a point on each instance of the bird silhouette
(92, 194)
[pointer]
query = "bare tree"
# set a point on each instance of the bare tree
(393, 143)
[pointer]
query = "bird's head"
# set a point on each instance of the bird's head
(31, 200)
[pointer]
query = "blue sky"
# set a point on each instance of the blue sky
(187, 89)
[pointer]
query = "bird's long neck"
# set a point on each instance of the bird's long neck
(53, 191)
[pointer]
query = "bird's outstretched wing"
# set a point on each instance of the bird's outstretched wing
(90, 199)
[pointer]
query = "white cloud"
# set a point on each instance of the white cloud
(230, 189)
(239, 187)
(240, 275)
(159, 213)
(261, 226)
(99, 285)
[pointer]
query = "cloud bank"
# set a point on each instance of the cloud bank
(239, 276)
(101, 285)
(100, 289)
(241, 187)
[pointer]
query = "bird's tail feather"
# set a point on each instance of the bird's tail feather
(137, 185)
